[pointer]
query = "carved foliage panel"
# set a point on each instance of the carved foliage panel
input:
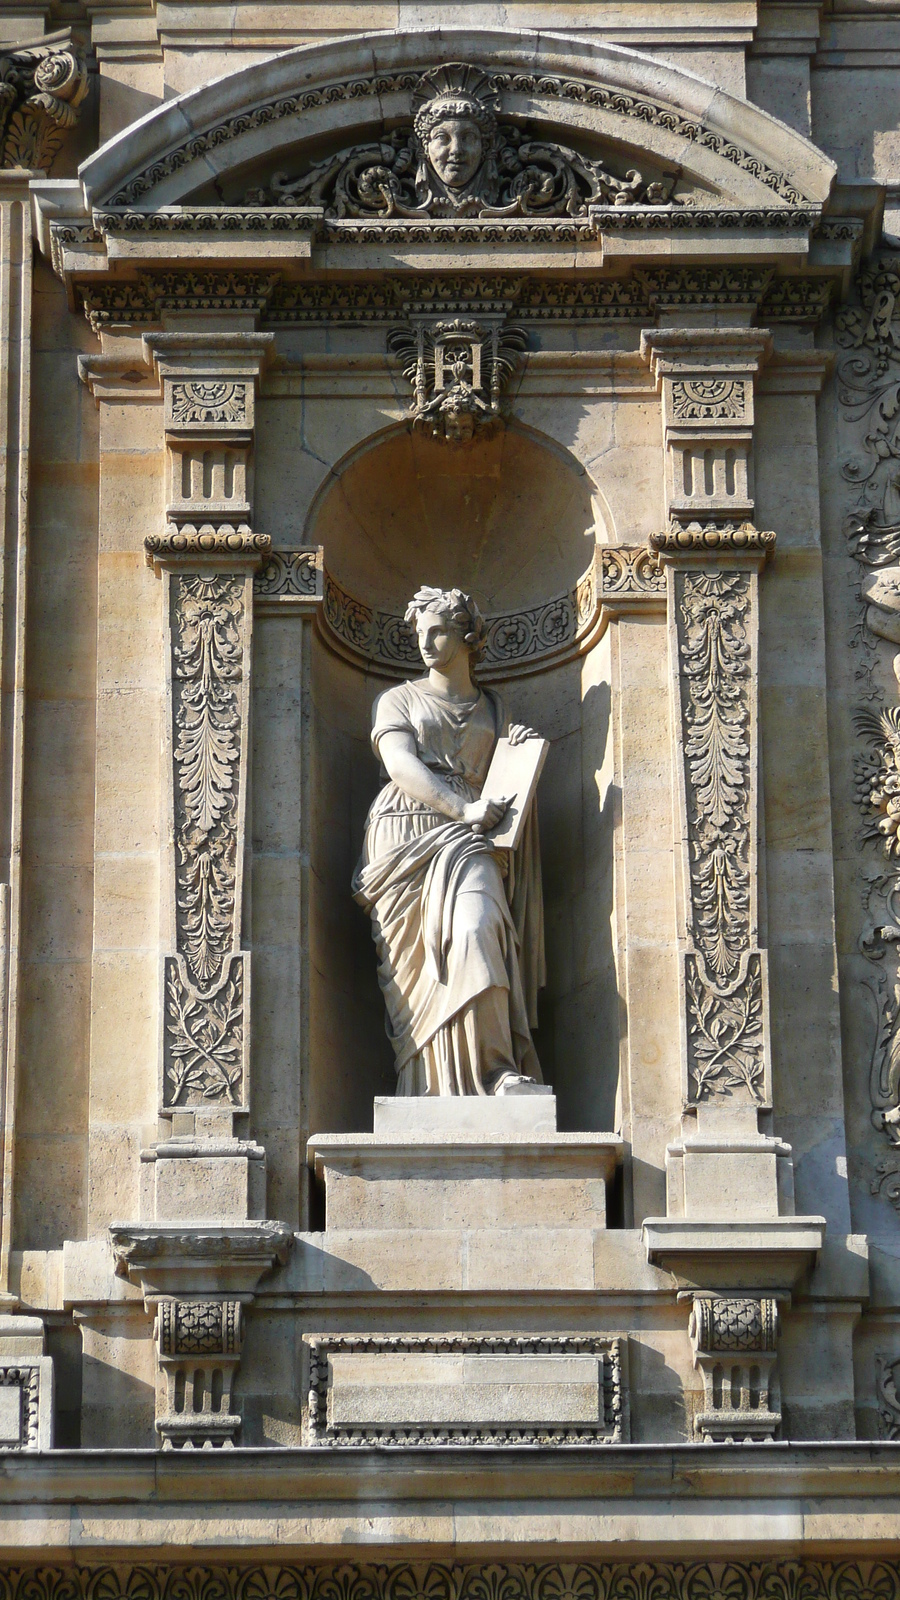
(868, 391)
(724, 974)
(206, 982)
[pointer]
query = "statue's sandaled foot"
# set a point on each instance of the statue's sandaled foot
(516, 1083)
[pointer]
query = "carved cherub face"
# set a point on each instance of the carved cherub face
(440, 640)
(455, 149)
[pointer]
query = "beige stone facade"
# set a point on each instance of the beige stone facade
(631, 377)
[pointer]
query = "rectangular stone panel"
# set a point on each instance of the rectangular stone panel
(396, 1389)
(424, 1389)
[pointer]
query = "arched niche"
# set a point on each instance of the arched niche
(514, 519)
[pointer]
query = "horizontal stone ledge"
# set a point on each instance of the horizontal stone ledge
(314, 1500)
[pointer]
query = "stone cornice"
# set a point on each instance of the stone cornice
(276, 299)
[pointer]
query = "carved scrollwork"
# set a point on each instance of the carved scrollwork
(457, 159)
(515, 641)
(288, 572)
(41, 91)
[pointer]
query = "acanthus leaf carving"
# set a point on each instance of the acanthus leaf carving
(715, 655)
(207, 666)
(41, 91)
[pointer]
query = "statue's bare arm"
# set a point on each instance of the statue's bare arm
(398, 754)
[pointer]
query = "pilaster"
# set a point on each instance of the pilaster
(203, 1185)
(15, 432)
(730, 1201)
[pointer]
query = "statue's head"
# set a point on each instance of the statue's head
(446, 621)
(456, 123)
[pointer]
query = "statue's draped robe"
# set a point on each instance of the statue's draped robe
(458, 927)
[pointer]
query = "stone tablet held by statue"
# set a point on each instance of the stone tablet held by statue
(513, 773)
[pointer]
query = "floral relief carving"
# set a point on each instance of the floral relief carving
(701, 400)
(723, 976)
(847, 1577)
(208, 403)
(204, 1039)
(869, 392)
(207, 652)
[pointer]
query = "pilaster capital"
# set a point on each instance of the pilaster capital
(726, 352)
(711, 544)
(217, 545)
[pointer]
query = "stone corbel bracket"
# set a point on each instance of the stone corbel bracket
(734, 1345)
(198, 1278)
(712, 576)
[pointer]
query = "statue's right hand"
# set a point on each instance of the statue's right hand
(483, 815)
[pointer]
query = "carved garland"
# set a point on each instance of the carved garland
(847, 1578)
(723, 978)
(545, 85)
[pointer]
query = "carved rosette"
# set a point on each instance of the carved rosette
(713, 578)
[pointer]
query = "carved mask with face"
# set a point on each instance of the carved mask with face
(455, 149)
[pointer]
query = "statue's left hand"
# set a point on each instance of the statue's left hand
(518, 733)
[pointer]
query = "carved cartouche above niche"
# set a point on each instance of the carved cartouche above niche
(457, 158)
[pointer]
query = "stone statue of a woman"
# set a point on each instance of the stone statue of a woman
(458, 926)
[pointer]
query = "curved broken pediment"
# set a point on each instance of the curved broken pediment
(568, 125)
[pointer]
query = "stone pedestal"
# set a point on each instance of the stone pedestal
(465, 1163)
(491, 1185)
